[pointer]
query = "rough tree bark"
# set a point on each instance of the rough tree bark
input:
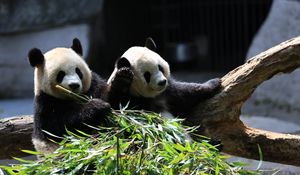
(15, 135)
(220, 114)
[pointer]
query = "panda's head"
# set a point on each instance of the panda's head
(60, 66)
(151, 71)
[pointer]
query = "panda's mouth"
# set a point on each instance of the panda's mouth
(73, 90)
(158, 89)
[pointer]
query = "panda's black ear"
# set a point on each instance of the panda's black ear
(76, 46)
(150, 44)
(35, 57)
(123, 62)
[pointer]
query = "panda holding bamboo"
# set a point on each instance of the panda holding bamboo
(54, 111)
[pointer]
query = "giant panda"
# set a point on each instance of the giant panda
(54, 111)
(143, 79)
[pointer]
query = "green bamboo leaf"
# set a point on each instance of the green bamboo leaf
(240, 164)
(217, 170)
(31, 152)
(72, 150)
(9, 170)
(260, 157)
(70, 133)
(23, 160)
(188, 147)
(136, 142)
(169, 148)
(180, 147)
(50, 134)
(177, 137)
(83, 133)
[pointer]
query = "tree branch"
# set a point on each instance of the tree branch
(219, 115)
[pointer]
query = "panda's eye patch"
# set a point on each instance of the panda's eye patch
(60, 76)
(78, 72)
(147, 76)
(160, 68)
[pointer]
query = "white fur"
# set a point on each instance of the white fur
(45, 147)
(70, 78)
(61, 59)
(143, 59)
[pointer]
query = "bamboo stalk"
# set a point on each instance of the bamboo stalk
(77, 97)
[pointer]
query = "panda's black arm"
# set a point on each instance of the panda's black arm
(119, 88)
(95, 111)
(187, 91)
(182, 96)
(54, 115)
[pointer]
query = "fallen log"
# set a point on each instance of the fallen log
(15, 135)
(219, 115)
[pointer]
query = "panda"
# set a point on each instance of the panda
(143, 79)
(54, 111)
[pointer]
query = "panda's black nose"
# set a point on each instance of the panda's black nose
(162, 82)
(74, 86)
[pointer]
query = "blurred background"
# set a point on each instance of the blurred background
(200, 39)
(194, 36)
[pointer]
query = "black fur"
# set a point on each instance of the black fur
(150, 44)
(76, 46)
(119, 88)
(60, 76)
(35, 57)
(122, 62)
(99, 87)
(79, 73)
(182, 97)
(56, 115)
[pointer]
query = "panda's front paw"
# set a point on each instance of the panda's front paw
(214, 84)
(124, 75)
(100, 105)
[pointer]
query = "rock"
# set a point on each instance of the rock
(19, 15)
(279, 96)
(281, 24)
(16, 73)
